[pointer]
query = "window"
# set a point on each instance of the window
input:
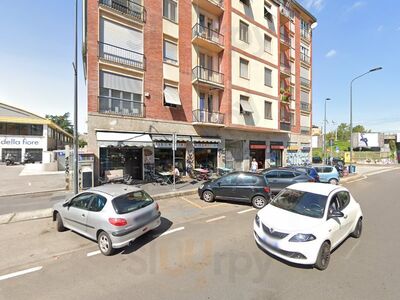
(245, 107)
(268, 15)
(98, 203)
(3, 128)
(12, 129)
(244, 68)
(248, 180)
(171, 96)
(304, 97)
(245, 2)
(286, 174)
(82, 201)
(131, 202)
(268, 77)
(272, 174)
(229, 180)
(267, 110)
(170, 52)
(292, 119)
(170, 10)
(267, 43)
(37, 130)
(243, 32)
(305, 29)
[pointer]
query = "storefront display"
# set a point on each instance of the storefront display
(257, 151)
(163, 158)
(276, 154)
(129, 159)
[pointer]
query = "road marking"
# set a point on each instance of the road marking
(195, 204)
(245, 211)
(19, 273)
(352, 249)
(215, 219)
(363, 178)
(93, 253)
(172, 231)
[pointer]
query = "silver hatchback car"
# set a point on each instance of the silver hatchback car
(113, 215)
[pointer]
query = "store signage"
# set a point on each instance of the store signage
(256, 147)
(167, 145)
(22, 142)
(293, 148)
(205, 146)
(277, 147)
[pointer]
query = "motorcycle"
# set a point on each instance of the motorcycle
(340, 169)
(28, 159)
(9, 159)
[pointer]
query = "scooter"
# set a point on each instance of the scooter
(9, 159)
(28, 159)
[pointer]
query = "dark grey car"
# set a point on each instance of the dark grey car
(281, 178)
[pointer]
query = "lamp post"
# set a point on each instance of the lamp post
(351, 112)
(75, 66)
(324, 148)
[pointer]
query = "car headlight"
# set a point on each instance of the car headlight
(302, 237)
(201, 186)
(257, 219)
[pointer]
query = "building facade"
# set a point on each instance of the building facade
(232, 79)
(24, 132)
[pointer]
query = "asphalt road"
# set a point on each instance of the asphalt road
(211, 255)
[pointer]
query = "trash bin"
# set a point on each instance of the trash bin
(352, 169)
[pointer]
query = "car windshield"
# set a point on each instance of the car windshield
(131, 202)
(299, 202)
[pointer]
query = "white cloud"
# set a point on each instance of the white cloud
(330, 53)
(318, 5)
(380, 28)
(355, 5)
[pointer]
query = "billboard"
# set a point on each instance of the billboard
(366, 140)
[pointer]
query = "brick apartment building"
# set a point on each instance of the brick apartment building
(231, 78)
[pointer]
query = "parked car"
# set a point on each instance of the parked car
(316, 160)
(237, 186)
(327, 174)
(308, 170)
(280, 178)
(305, 222)
(112, 214)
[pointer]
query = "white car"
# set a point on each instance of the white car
(306, 221)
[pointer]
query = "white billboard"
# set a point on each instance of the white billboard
(365, 140)
(398, 138)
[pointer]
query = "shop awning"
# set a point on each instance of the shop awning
(168, 138)
(171, 95)
(246, 107)
(105, 138)
(198, 139)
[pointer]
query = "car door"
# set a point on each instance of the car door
(286, 178)
(225, 187)
(95, 216)
(321, 174)
(273, 180)
(76, 212)
(334, 223)
(348, 211)
(245, 187)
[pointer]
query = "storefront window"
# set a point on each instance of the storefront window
(129, 159)
(3, 128)
(12, 129)
(163, 159)
(206, 158)
(37, 130)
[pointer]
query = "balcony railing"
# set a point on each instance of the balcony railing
(305, 106)
(121, 56)
(285, 125)
(285, 67)
(285, 38)
(109, 105)
(219, 3)
(127, 7)
(305, 58)
(203, 74)
(305, 130)
(208, 34)
(305, 82)
(205, 116)
(305, 34)
(286, 11)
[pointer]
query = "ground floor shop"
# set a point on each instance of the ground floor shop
(19, 146)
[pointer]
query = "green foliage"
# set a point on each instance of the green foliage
(82, 143)
(62, 121)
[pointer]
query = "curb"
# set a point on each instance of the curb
(350, 177)
(48, 212)
(32, 193)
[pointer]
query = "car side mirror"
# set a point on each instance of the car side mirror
(66, 204)
(336, 214)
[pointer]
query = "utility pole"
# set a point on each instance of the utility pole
(75, 66)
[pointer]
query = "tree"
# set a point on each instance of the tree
(62, 121)
(343, 132)
(82, 143)
(359, 128)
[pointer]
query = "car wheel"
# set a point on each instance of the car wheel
(60, 224)
(358, 230)
(105, 244)
(208, 196)
(324, 256)
(333, 181)
(258, 202)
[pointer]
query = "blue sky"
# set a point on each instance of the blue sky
(36, 54)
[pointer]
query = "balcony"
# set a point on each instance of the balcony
(304, 106)
(128, 8)
(206, 77)
(207, 38)
(204, 117)
(285, 68)
(286, 11)
(285, 39)
(121, 56)
(116, 106)
(285, 125)
(305, 58)
(215, 7)
(305, 82)
(305, 130)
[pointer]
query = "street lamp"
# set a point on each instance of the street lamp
(351, 112)
(324, 148)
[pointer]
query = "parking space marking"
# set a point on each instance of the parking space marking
(191, 202)
(93, 253)
(246, 210)
(216, 219)
(172, 231)
(363, 178)
(19, 273)
(199, 206)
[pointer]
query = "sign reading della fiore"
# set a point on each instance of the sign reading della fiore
(20, 142)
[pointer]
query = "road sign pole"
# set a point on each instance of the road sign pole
(173, 155)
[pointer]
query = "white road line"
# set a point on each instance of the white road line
(19, 273)
(172, 231)
(215, 219)
(245, 211)
(93, 253)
